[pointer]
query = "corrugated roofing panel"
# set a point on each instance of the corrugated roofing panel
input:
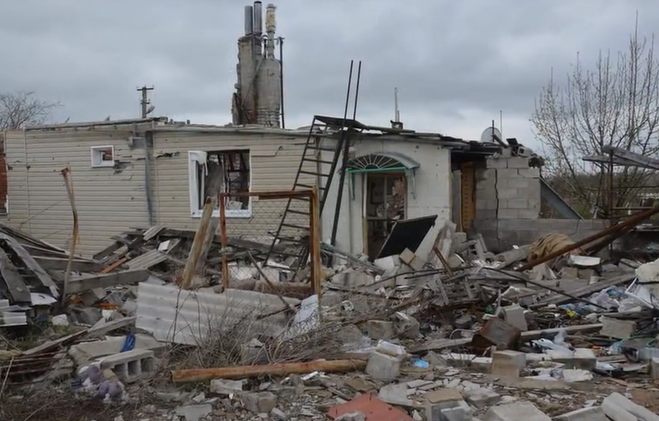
(171, 314)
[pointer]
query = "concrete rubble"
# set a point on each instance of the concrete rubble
(459, 334)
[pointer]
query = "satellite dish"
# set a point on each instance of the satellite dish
(490, 135)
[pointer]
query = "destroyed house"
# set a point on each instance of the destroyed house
(139, 173)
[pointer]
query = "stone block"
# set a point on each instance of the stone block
(615, 328)
(505, 174)
(226, 387)
(514, 316)
(581, 358)
(594, 413)
(518, 163)
(380, 329)
(382, 367)
(259, 403)
(131, 366)
(508, 363)
(395, 394)
(515, 411)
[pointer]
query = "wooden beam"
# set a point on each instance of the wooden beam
(107, 280)
(77, 265)
(285, 369)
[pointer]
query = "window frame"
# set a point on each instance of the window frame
(196, 185)
(95, 150)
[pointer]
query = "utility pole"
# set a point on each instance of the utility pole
(144, 102)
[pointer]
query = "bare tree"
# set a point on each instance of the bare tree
(615, 104)
(23, 108)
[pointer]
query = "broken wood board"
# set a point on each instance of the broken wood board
(107, 280)
(31, 264)
(77, 265)
(19, 292)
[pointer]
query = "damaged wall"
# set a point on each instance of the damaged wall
(110, 199)
(274, 162)
(502, 234)
(507, 188)
(428, 194)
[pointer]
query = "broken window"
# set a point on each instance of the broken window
(215, 172)
(102, 156)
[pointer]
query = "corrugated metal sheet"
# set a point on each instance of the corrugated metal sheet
(185, 317)
(109, 201)
(274, 163)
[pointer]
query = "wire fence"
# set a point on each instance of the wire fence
(270, 238)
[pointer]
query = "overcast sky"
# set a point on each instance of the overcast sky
(456, 63)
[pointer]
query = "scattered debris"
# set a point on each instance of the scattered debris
(461, 333)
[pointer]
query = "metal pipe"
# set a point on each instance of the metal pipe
(634, 220)
(281, 80)
(257, 25)
(249, 20)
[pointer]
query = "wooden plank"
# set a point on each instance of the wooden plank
(107, 280)
(77, 265)
(19, 292)
(31, 264)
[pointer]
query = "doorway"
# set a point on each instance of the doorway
(385, 203)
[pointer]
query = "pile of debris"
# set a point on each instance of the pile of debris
(460, 333)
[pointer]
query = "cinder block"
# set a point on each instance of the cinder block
(619, 329)
(529, 172)
(529, 214)
(506, 194)
(508, 363)
(518, 163)
(382, 367)
(486, 174)
(496, 163)
(581, 358)
(514, 412)
(516, 182)
(131, 366)
(508, 214)
(507, 173)
(514, 202)
(593, 413)
(486, 204)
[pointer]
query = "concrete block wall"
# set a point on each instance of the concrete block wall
(507, 188)
(502, 234)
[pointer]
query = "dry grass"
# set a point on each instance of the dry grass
(227, 336)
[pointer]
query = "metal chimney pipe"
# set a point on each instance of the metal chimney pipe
(249, 20)
(258, 18)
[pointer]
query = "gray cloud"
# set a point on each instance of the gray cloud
(456, 64)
